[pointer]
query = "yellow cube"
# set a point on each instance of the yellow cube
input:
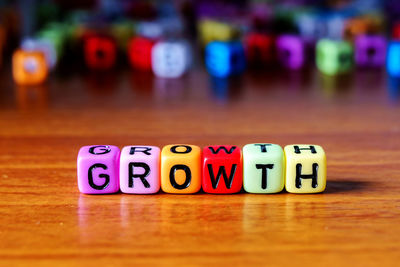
(305, 169)
(210, 30)
(181, 169)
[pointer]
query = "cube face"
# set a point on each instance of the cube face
(396, 31)
(181, 169)
(29, 67)
(222, 169)
(210, 31)
(98, 169)
(305, 169)
(260, 49)
(225, 58)
(100, 52)
(334, 57)
(393, 59)
(370, 50)
(263, 168)
(139, 171)
(139, 52)
(170, 59)
(291, 51)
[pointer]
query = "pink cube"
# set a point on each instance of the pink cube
(98, 168)
(140, 170)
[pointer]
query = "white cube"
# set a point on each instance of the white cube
(170, 59)
(44, 46)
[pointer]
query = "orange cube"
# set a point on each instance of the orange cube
(29, 67)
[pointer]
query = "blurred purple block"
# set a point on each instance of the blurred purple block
(291, 51)
(370, 50)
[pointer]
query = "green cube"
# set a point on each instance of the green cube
(334, 57)
(263, 168)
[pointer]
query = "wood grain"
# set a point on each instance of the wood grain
(44, 220)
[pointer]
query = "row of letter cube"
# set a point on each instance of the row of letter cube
(185, 169)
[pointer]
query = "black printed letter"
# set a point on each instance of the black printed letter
(105, 176)
(264, 176)
(142, 176)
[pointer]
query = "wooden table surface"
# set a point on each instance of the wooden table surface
(45, 220)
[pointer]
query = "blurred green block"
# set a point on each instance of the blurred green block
(263, 168)
(334, 57)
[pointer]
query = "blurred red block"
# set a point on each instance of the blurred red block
(100, 52)
(396, 31)
(139, 53)
(260, 49)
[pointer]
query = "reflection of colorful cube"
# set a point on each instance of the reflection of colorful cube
(393, 59)
(225, 58)
(139, 53)
(370, 50)
(100, 52)
(291, 50)
(334, 57)
(29, 67)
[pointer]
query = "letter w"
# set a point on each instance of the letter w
(221, 171)
(222, 148)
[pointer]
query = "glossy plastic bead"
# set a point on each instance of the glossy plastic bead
(334, 57)
(291, 51)
(393, 59)
(263, 168)
(100, 52)
(370, 50)
(225, 58)
(305, 169)
(139, 170)
(170, 59)
(181, 169)
(222, 169)
(139, 53)
(29, 67)
(98, 169)
(260, 49)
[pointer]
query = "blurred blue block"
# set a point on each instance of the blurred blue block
(393, 59)
(225, 58)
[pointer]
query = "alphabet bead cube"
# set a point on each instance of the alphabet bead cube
(225, 58)
(98, 169)
(370, 50)
(393, 59)
(100, 52)
(305, 169)
(139, 170)
(139, 53)
(291, 51)
(29, 67)
(263, 168)
(181, 169)
(222, 169)
(210, 30)
(334, 57)
(170, 59)
(260, 49)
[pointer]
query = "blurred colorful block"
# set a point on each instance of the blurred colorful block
(370, 50)
(291, 51)
(211, 30)
(393, 59)
(139, 53)
(170, 59)
(29, 67)
(225, 58)
(334, 57)
(260, 49)
(100, 52)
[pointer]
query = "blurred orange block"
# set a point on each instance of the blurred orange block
(29, 67)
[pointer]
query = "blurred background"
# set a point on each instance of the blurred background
(122, 53)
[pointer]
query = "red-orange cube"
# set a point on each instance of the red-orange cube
(100, 52)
